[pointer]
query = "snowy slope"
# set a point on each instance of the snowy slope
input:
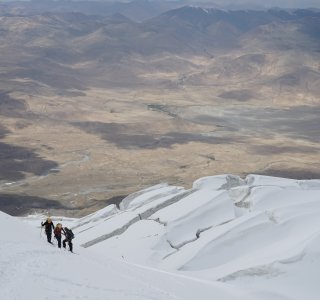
(33, 269)
(226, 238)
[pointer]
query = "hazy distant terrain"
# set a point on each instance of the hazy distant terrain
(137, 10)
(94, 107)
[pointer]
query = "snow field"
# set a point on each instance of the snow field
(225, 238)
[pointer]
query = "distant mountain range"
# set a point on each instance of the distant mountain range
(36, 43)
(138, 10)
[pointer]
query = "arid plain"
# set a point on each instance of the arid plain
(87, 118)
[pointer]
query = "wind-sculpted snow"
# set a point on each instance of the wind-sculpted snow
(116, 224)
(225, 238)
(219, 182)
(225, 229)
(97, 217)
(148, 195)
(198, 211)
(259, 180)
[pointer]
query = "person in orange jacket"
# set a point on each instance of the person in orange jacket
(57, 233)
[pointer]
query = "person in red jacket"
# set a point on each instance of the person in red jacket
(48, 225)
(57, 233)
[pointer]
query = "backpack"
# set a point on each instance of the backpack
(69, 233)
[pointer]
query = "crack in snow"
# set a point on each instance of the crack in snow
(149, 212)
(159, 221)
(118, 231)
(140, 216)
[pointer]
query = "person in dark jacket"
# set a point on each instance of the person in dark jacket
(57, 233)
(48, 225)
(68, 238)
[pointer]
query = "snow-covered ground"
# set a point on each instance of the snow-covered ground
(226, 238)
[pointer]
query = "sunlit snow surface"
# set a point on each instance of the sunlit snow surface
(226, 238)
